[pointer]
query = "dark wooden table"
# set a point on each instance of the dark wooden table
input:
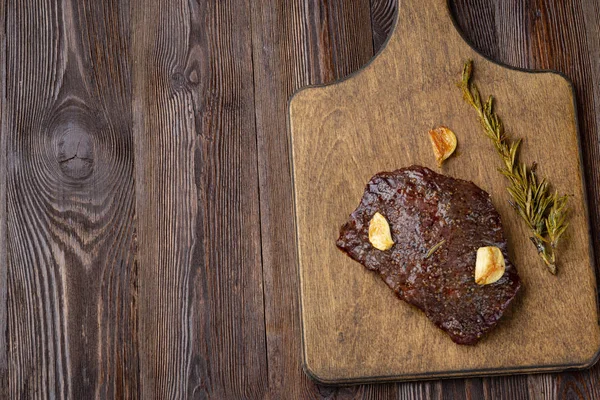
(146, 238)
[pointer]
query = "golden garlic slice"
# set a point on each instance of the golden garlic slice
(490, 265)
(380, 235)
(444, 142)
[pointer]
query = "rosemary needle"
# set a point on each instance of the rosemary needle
(434, 249)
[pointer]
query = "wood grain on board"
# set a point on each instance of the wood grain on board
(354, 328)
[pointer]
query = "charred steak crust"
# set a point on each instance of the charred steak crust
(423, 208)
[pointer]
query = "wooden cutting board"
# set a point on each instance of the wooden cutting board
(354, 328)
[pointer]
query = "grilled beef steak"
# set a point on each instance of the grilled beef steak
(424, 209)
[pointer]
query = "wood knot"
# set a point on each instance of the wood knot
(178, 81)
(75, 150)
(193, 78)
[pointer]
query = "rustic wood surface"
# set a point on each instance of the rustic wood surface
(146, 240)
(354, 328)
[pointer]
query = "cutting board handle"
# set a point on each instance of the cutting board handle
(425, 24)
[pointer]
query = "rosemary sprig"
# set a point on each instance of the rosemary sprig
(543, 212)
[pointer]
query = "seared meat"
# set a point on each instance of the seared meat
(424, 209)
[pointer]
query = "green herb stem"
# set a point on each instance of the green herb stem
(543, 212)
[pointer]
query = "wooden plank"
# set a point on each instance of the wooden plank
(506, 387)
(295, 45)
(349, 24)
(569, 51)
(591, 114)
(383, 16)
(577, 386)
(477, 22)
(342, 134)
(420, 390)
(4, 379)
(468, 389)
(558, 37)
(541, 386)
(338, 38)
(279, 67)
(201, 309)
(71, 277)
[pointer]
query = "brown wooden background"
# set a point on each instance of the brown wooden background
(146, 238)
